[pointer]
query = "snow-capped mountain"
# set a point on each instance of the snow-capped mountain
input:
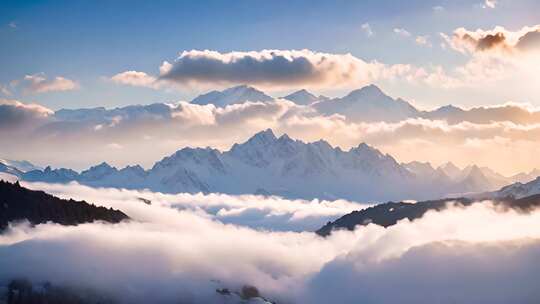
(454, 114)
(234, 95)
(155, 110)
(21, 165)
(9, 169)
(518, 190)
(303, 97)
(526, 177)
(270, 165)
(451, 170)
(368, 104)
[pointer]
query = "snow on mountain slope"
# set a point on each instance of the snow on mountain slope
(9, 169)
(451, 170)
(368, 104)
(155, 110)
(526, 177)
(277, 166)
(514, 113)
(303, 97)
(21, 165)
(519, 190)
(234, 95)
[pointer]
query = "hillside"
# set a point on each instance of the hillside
(390, 213)
(18, 203)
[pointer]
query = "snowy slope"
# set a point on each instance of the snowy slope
(303, 97)
(519, 190)
(368, 104)
(234, 95)
(281, 166)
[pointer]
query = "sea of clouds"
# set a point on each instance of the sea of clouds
(181, 248)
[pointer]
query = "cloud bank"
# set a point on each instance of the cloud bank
(86, 137)
(498, 39)
(267, 69)
(38, 83)
(186, 256)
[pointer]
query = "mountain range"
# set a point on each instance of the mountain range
(366, 104)
(270, 165)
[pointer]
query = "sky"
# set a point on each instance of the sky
(87, 54)
(88, 42)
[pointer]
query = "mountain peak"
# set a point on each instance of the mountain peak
(367, 91)
(449, 109)
(302, 97)
(232, 95)
(264, 136)
(242, 87)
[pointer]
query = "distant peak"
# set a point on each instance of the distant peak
(104, 165)
(364, 147)
(449, 165)
(283, 137)
(302, 97)
(369, 90)
(449, 108)
(242, 87)
(266, 135)
(372, 89)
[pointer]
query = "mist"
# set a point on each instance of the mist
(175, 250)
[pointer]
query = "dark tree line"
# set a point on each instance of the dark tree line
(390, 213)
(24, 292)
(18, 203)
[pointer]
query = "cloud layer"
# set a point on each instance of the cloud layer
(87, 137)
(186, 256)
(266, 68)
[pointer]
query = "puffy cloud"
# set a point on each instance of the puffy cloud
(474, 255)
(438, 8)
(490, 4)
(402, 32)
(366, 28)
(38, 83)
(15, 114)
(289, 69)
(86, 137)
(498, 40)
(267, 68)
(423, 40)
(5, 90)
(135, 78)
(258, 212)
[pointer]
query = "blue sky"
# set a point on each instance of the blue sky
(90, 41)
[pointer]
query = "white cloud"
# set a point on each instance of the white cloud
(267, 69)
(402, 32)
(135, 78)
(490, 4)
(186, 256)
(15, 115)
(5, 90)
(38, 83)
(366, 28)
(495, 41)
(438, 8)
(269, 213)
(423, 40)
(150, 132)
